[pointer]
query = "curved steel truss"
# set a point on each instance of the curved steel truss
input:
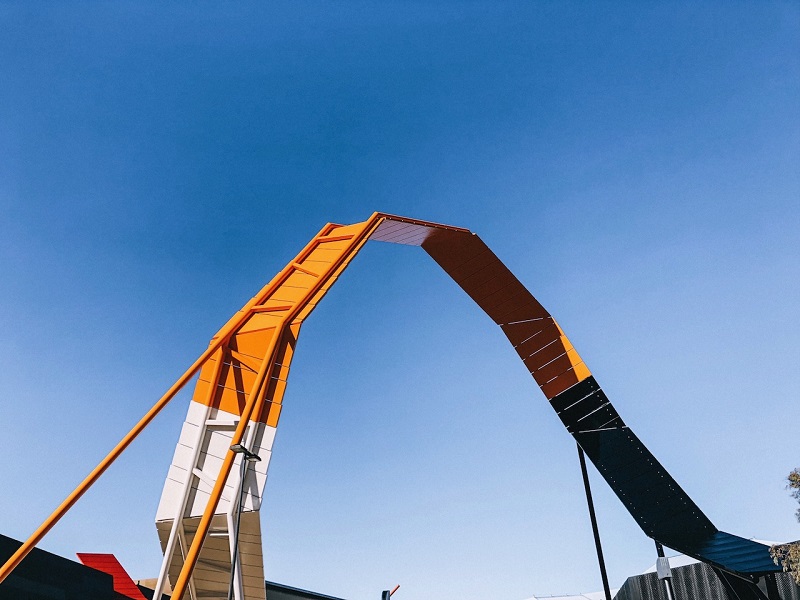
(238, 398)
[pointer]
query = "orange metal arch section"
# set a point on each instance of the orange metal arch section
(540, 342)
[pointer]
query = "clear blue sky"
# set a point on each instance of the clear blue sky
(637, 165)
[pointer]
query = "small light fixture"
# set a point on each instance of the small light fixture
(248, 456)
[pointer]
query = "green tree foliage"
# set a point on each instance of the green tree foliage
(787, 556)
(794, 485)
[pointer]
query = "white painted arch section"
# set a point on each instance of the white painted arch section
(205, 438)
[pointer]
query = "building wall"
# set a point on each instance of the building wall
(690, 582)
(45, 576)
(276, 591)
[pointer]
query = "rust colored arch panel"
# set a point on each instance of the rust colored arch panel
(541, 344)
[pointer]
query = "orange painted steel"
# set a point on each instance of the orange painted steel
(258, 341)
(247, 344)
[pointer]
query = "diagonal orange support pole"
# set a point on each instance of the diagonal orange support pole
(70, 500)
(217, 342)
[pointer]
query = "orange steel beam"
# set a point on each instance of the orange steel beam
(217, 342)
(255, 399)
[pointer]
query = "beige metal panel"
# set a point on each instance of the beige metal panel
(212, 575)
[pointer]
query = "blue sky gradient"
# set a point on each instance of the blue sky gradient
(634, 164)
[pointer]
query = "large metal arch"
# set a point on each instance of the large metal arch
(243, 375)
